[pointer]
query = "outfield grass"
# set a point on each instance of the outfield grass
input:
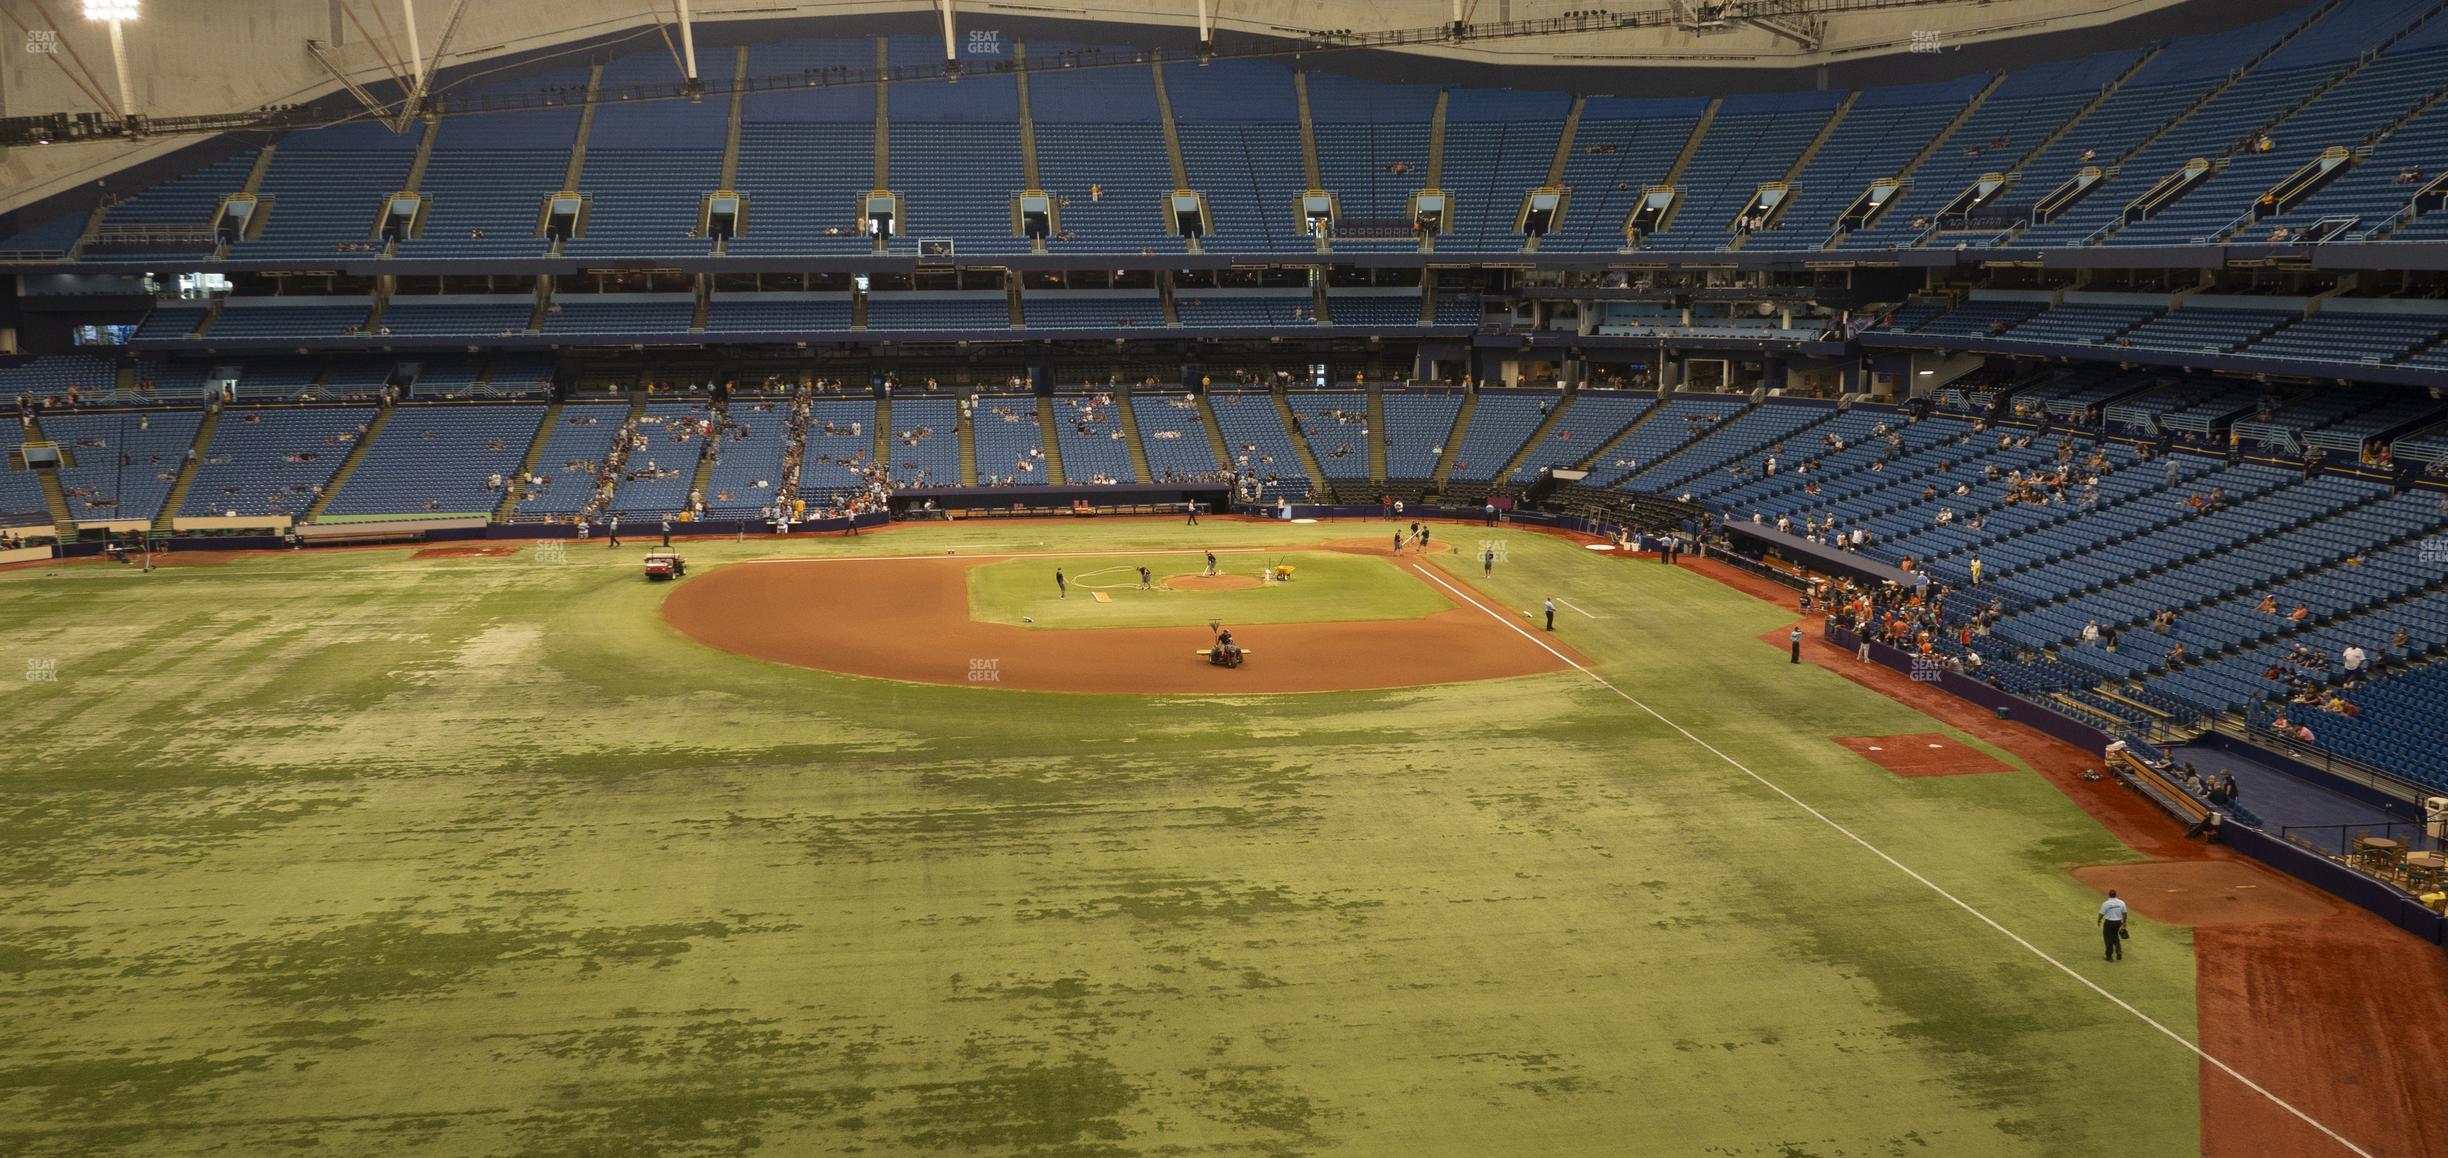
(1325, 586)
(346, 852)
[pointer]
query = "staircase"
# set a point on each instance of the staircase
(163, 521)
(1700, 128)
(1215, 434)
(968, 449)
(424, 154)
(1599, 455)
(1564, 143)
(254, 181)
(1555, 416)
(1028, 124)
(1164, 297)
(1046, 420)
(1310, 171)
(1377, 431)
(63, 522)
(731, 137)
(1827, 130)
(883, 124)
(1687, 443)
(1453, 441)
(348, 466)
(527, 464)
(1130, 435)
(703, 476)
(1300, 443)
(1172, 131)
(1947, 133)
(2105, 95)
(882, 454)
(586, 123)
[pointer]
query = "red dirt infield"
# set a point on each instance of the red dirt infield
(2206, 892)
(1921, 754)
(1211, 582)
(464, 552)
(908, 619)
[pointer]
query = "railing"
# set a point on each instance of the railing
(2344, 768)
(2351, 843)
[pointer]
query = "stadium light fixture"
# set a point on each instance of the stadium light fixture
(117, 13)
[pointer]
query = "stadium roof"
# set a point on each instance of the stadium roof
(206, 61)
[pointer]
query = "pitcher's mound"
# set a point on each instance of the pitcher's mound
(2204, 892)
(1211, 582)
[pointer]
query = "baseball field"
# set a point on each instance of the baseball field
(362, 851)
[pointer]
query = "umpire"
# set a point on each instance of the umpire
(2112, 927)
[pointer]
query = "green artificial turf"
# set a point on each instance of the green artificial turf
(1325, 585)
(344, 852)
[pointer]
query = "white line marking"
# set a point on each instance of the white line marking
(1901, 867)
(1569, 603)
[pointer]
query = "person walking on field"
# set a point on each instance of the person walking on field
(1191, 509)
(1487, 559)
(1551, 613)
(667, 530)
(1796, 640)
(1062, 586)
(2112, 926)
(612, 533)
(1145, 582)
(1211, 563)
(1398, 541)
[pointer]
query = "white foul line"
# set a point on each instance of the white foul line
(1901, 867)
(1576, 607)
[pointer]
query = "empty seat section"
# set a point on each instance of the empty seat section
(325, 191)
(1589, 420)
(1754, 140)
(1089, 433)
(124, 462)
(1239, 125)
(1261, 448)
(926, 442)
(1501, 422)
(838, 450)
(1499, 144)
(437, 459)
(1174, 436)
(272, 460)
(1336, 424)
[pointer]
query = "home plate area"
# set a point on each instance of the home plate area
(1921, 754)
